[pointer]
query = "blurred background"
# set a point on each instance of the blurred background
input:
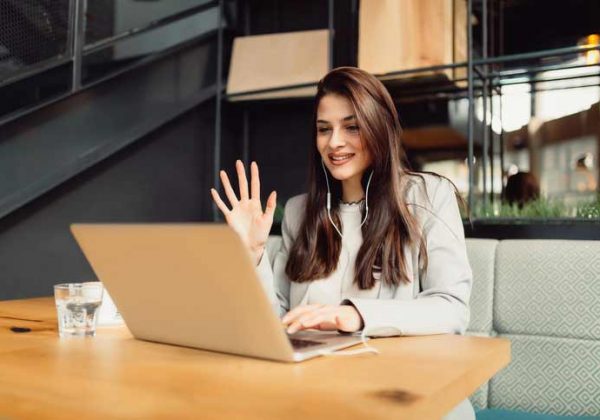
(124, 111)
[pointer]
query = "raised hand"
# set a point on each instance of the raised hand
(246, 215)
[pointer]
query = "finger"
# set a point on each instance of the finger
(254, 182)
(291, 317)
(320, 318)
(326, 312)
(298, 311)
(242, 180)
(220, 204)
(294, 328)
(321, 322)
(228, 190)
(271, 205)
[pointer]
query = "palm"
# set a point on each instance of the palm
(249, 221)
(246, 215)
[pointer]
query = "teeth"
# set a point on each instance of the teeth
(340, 157)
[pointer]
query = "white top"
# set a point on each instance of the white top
(335, 289)
(435, 301)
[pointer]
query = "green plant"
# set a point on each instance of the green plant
(589, 210)
(542, 208)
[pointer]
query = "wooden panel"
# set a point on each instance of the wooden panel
(397, 35)
(277, 60)
(433, 138)
(460, 40)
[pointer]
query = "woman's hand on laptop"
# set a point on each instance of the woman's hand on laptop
(246, 215)
(323, 317)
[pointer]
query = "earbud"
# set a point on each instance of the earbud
(329, 200)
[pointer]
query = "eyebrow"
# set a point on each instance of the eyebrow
(348, 118)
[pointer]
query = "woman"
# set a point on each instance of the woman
(372, 246)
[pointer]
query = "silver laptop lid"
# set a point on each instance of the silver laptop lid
(186, 284)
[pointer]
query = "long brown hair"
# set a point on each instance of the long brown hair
(390, 226)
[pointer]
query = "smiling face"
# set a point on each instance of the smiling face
(339, 141)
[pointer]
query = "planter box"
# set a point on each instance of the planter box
(567, 228)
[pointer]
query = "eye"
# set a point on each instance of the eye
(323, 129)
(353, 128)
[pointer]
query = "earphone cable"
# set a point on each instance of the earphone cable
(329, 200)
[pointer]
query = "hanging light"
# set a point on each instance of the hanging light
(591, 56)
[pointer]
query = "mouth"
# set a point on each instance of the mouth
(340, 159)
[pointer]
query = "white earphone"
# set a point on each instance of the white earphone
(329, 200)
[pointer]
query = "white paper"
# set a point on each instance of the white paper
(109, 314)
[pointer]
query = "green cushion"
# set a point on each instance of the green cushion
(548, 288)
(549, 375)
(495, 414)
(482, 256)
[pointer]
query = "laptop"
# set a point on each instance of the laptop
(194, 285)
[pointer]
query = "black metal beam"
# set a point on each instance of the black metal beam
(218, 110)
(471, 104)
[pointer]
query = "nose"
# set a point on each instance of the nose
(337, 139)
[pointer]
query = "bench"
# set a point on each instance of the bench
(543, 295)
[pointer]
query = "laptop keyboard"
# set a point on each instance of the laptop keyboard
(301, 344)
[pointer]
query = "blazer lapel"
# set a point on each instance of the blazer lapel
(298, 294)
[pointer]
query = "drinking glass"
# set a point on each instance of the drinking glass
(77, 308)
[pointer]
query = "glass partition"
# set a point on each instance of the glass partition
(50, 49)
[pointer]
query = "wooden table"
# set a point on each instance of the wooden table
(115, 376)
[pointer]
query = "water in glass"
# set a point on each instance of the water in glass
(77, 308)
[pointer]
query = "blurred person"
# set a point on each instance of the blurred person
(521, 188)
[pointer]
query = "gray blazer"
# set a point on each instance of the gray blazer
(436, 301)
